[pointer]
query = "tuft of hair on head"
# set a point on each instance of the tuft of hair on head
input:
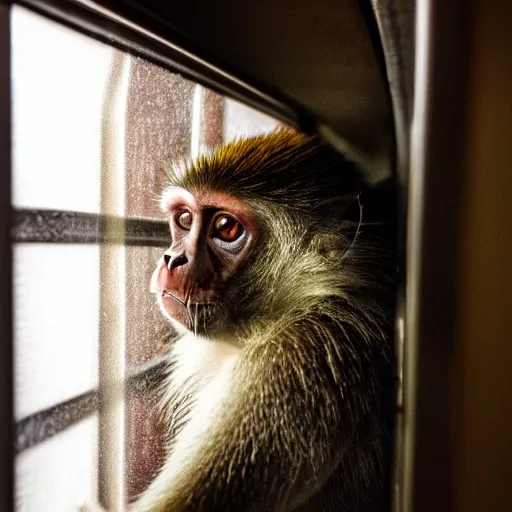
(285, 167)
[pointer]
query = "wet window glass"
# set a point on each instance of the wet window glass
(93, 133)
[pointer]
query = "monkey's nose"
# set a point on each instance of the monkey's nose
(175, 262)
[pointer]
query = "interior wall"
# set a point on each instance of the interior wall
(483, 371)
(462, 279)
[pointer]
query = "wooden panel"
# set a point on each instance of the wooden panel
(483, 375)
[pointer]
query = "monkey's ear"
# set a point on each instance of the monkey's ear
(329, 246)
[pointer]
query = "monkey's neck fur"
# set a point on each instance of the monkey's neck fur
(294, 414)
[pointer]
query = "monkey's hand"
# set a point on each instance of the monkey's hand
(275, 437)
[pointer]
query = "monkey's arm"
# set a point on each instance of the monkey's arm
(274, 439)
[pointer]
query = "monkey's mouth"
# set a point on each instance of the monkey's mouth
(199, 316)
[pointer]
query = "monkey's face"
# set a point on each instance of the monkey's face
(212, 234)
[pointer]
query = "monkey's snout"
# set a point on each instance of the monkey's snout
(173, 263)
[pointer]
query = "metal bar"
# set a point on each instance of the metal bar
(437, 182)
(113, 290)
(49, 422)
(43, 425)
(64, 227)
(146, 377)
(414, 253)
(157, 45)
(6, 345)
(395, 21)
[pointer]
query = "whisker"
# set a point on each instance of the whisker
(193, 309)
(183, 303)
(206, 315)
(188, 293)
(190, 315)
(358, 227)
(169, 294)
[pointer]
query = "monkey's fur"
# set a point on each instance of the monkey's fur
(300, 416)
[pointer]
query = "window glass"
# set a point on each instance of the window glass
(55, 323)
(58, 85)
(61, 473)
(80, 126)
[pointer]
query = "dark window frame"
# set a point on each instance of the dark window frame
(6, 309)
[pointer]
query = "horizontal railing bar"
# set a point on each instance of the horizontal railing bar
(42, 425)
(146, 376)
(66, 227)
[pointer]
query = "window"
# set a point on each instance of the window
(93, 130)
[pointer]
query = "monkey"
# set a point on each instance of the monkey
(279, 390)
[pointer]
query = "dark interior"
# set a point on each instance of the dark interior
(324, 57)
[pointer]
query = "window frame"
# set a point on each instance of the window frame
(22, 225)
(66, 227)
(6, 309)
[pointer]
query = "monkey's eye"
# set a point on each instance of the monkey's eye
(184, 219)
(227, 228)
